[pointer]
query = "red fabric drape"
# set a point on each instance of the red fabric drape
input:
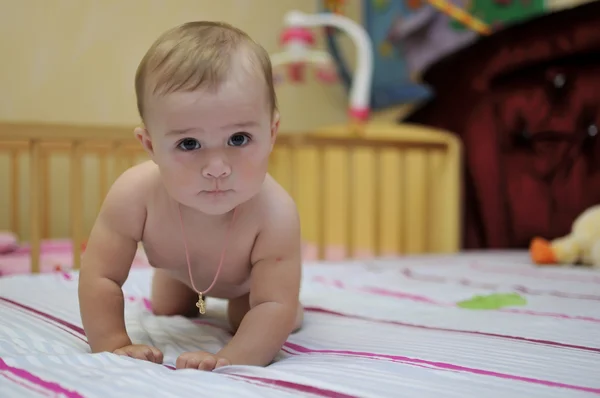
(526, 104)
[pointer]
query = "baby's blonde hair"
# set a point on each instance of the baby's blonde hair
(198, 55)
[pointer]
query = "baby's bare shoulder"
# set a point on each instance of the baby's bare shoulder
(125, 205)
(275, 203)
(279, 228)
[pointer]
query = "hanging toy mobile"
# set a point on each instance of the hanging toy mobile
(298, 40)
(297, 55)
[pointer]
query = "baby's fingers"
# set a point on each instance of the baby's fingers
(157, 355)
(120, 351)
(188, 363)
(222, 362)
(143, 353)
(207, 363)
(196, 360)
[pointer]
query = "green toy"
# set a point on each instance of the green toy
(493, 301)
(498, 13)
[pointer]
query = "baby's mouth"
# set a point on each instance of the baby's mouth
(216, 191)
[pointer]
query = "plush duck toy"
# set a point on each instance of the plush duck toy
(582, 245)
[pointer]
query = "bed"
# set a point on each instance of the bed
(393, 308)
(386, 327)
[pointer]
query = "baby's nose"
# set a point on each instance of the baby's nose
(215, 174)
(216, 169)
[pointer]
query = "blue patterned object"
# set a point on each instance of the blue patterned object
(392, 83)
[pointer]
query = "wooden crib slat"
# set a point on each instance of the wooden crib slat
(377, 200)
(76, 204)
(44, 174)
(350, 179)
(15, 175)
(416, 201)
(103, 176)
(293, 162)
(435, 165)
(323, 199)
(34, 205)
(402, 209)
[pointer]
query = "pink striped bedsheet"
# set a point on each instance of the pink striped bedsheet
(373, 328)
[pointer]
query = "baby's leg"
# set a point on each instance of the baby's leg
(172, 297)
(239, 307)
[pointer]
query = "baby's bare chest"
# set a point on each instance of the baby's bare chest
(165, 243)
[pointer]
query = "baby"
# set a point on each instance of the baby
(203, 206)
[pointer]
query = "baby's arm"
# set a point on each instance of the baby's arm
(274, 290)
(107, 260)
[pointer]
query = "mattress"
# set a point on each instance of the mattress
(471, 325)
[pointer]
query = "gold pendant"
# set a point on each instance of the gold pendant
(200, 304)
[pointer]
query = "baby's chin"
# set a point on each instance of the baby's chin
(216, 210)
(213, 207)
(215, 204)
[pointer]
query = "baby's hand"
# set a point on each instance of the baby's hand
(141, 351)
(200, 360)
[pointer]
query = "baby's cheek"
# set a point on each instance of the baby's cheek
(177, 174)
(182, 165)
(249, 170)
(254, 164)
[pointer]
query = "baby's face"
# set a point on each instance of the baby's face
(212, 147)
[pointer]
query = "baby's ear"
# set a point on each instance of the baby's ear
(144, 137)
(274, 127)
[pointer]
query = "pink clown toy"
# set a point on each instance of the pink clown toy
(298, 40)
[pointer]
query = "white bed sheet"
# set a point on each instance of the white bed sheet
(386, 328)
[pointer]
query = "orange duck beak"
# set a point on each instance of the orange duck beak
(541, 252)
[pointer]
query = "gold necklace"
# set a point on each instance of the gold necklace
(201, 304)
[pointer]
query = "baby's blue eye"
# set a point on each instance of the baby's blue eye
(189, 144)
(238, 140)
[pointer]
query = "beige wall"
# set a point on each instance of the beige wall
(73, 61)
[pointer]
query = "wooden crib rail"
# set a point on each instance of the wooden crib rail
(394, 190)
(37, 143)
